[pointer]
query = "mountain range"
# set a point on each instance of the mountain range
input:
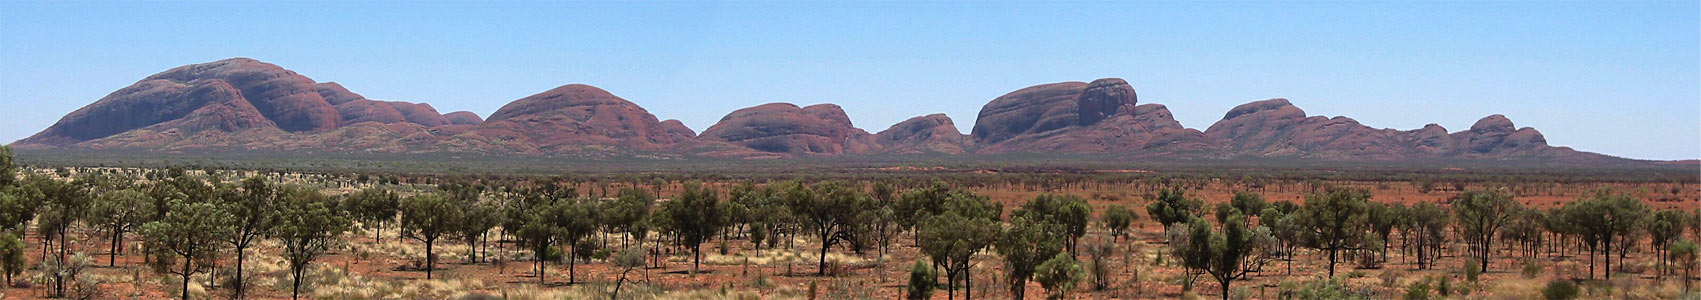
(245, 104)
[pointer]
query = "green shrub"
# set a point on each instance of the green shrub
(1418, 290)
(1472, 271)
(1560, 290)
(1445, 286)
(922, 280)
(1532, 269)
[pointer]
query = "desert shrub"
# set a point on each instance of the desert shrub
(1472, 271)
(1531, 269)
(922, 280)
(1390, 278)
(1418, 290)
(1326, 289)
(1445, 286)
(1560, 290)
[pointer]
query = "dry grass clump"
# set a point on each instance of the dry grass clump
(775, 257)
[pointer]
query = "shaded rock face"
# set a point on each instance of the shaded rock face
(1101, 116)
(1275, 127)
(419, 113)
(575, 116)
(463, 118)
(934, 133)
(789, 129)
(239, 86)
(1495, 133)
(361, 110)
(288, 99)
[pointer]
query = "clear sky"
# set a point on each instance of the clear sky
(1617, 77)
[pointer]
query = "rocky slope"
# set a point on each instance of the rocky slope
(1102, 116)
(244, 104)
(785, 128)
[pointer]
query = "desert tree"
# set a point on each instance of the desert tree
(1226, 255)
(1249, 203)
(1478, 216)
(254, 212)
(1664, 227)
(1171, 206)
(308, 225)
(1333, 220)
(1117, 218)
(373, 207)
(573, 222)
(64, 204)
(694, 217)
(18, 205)
(1684, 253)
(12, 260)
(479, 218)
(1381, 219)
(8, 170)
(1059, 275)
(828, 210)
(1602, 217)
(539, 235)
(625, 262)
(118, 212)
(1025, 244)
(1069, 212)
(630, 206)
(193, 232)
(428, 217)
(1427, 223)
(968, 225)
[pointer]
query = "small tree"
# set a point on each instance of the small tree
(193, 232)
(1333, 221)
(1663, 228)
(829, 209)
(11, 256)
(308, 225)
(119, 212)
(1226, 254)
(373, 207)
(1172, 206)
(628, 260)
(922, 280)
(1059, 275)
(1684, 253)
(952, 240)
(254, 210)
(1117, 218)
(427, 217)
(695, 217)
(1480, 215)
(1069, 212)
(1025, 245)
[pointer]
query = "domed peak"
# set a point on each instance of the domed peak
(1104, 98)
(786, 128)
(463, 118)
(335, 93)
(566, 96)
(1495, 122)
(1272, 104)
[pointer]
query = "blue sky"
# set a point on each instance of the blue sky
(1614, 77)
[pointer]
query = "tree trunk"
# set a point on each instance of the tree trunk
(188, 260)
(112, 257)
(430, 262)
(240, 286)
